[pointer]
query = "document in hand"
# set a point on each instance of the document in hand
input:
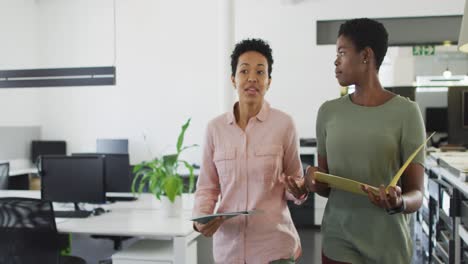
(206, 218)
(344, 184)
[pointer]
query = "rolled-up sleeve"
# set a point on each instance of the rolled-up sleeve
(208, 188)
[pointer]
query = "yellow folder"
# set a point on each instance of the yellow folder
(341, 183)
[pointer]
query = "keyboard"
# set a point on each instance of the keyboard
(121, 198)
(72, 214)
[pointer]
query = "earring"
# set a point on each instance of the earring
(365, 61)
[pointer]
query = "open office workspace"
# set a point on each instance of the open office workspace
(93, 94)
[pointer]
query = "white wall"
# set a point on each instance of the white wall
(398, 67)
(166, 73)
(303, 73)
(75, 33)
(18, 107)
(166, 61)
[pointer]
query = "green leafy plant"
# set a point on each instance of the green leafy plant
(160, 174)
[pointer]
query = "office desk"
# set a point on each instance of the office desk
(19, 174)
(23, 171)
(141, 218)
(21, 167)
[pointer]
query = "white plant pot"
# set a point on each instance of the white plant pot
(170, 209)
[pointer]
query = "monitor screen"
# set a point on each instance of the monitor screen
(43, 147)
(117, 171)
(73, 179)
(114, 146)
(437, 119)
(465, 109)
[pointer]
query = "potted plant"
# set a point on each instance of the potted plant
(162, 179)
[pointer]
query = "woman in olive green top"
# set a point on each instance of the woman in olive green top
(367, 136)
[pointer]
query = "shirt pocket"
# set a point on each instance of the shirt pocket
(269, 158)
(225, 162)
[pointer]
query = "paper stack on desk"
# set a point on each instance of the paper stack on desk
(345, 184)
(455, 162)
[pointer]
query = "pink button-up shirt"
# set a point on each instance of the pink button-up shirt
(246, 168)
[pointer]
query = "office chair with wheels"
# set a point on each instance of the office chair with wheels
(4, 172)
(28, 233)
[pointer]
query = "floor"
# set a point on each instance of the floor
(95, 250)
(311, 241)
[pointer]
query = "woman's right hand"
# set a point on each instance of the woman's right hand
(209, 228)
(311, 183)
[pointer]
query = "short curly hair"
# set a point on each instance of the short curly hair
(247, 45)
(365, 32)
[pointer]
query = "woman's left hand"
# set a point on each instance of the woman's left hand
(390, 200)
(295, 186)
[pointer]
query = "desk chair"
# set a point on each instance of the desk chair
(28, 233)
(4, 173)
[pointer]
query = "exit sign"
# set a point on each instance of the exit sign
(423, 50)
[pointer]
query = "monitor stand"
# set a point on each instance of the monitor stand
(77, 213)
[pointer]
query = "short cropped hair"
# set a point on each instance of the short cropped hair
(365, 32)
(247, 45)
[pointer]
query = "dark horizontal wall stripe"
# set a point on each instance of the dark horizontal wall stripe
(90, 76)
(403, 31)
(57, 82)
(57, 72)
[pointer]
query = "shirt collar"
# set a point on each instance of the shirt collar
(261, 116)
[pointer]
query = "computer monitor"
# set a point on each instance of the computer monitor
(112, 146)
(73, 179)
(47, 147)
(116, 171)
(437, 119)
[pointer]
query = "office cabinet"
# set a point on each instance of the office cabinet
(445, 235)
(463, 233)
(443, 246)
(314, 208)
(304, 215)
(444, 213)
(425, 226)
(152, 252)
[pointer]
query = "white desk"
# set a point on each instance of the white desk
(23, 171)
(21, 167)
(16, 193)
(458, 160)
(135, 218)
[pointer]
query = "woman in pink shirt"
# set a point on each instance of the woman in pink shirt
(251, 161)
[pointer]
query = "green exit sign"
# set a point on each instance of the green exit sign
(423, 50)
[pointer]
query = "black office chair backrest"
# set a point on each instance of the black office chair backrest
(28, 233)
(4, 172)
